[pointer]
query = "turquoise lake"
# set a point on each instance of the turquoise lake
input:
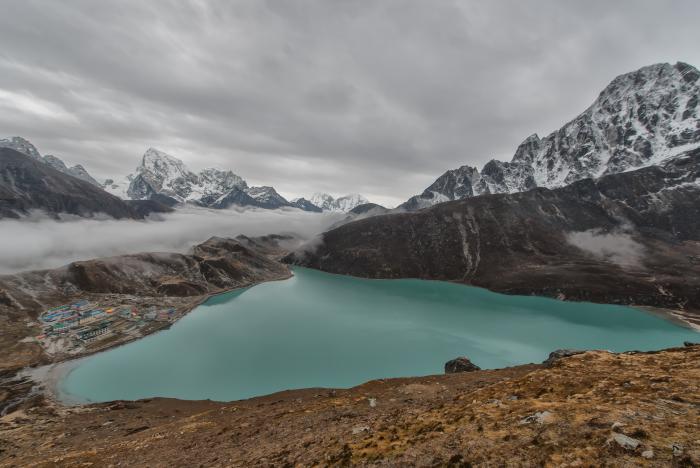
(322, 330)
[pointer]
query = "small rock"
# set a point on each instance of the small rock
(677, 450)
(560, 353)
(460, 364)
(372, 402)
(539, 417)
(690, 343)
(513, 397)
(360, 429)
(617, 426)
(648, 454)
(626, 442)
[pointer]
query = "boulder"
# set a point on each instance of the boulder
(558, 354)
(626, 442)
(460, 364)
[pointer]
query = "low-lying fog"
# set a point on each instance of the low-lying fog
(38, 242)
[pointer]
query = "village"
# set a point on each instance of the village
(72, 328)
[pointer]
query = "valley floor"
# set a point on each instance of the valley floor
(590, 409)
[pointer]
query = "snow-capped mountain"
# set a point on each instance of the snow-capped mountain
(267, 197)
(164, 175)
(344, 204)
(26, 147)
(452, 185)
(160, 173)
(167, 179)
(20, 144)
(639, 119)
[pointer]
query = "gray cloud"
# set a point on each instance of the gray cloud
(24, 244)
(376, 97)
(617, 247)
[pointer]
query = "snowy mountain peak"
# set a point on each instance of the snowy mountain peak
(344, 204)
(165, 175)
(640, 119)
(162, 167)
(266, 194)
(20, 144)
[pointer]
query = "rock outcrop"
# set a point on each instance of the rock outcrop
(460, 364)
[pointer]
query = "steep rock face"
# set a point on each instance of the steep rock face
(27, 184)
(504, 177)
(639, 119)
(341, 204)
(454, 184)
(627, 238)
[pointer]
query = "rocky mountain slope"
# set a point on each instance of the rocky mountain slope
(27, 183)
(590, 409)
(630, 237)
(639, 119)
(25, 147)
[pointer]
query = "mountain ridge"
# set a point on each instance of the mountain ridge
(26, 147)
(640, 119)
(27, 183)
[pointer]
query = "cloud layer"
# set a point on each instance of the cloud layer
(617, 247)
(375, 97)
(40, 242)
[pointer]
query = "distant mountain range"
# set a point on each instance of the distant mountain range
(640, 119)
(168, 179)
(165, 179)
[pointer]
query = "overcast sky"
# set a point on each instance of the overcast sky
(377, 97)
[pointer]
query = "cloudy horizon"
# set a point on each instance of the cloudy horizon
(377, 98)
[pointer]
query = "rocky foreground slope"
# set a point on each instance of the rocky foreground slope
(629, 238)
(591, 409)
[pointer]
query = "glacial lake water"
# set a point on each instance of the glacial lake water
(322, 330)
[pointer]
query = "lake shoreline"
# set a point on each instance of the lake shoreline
(412, 295)
(47, 377)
